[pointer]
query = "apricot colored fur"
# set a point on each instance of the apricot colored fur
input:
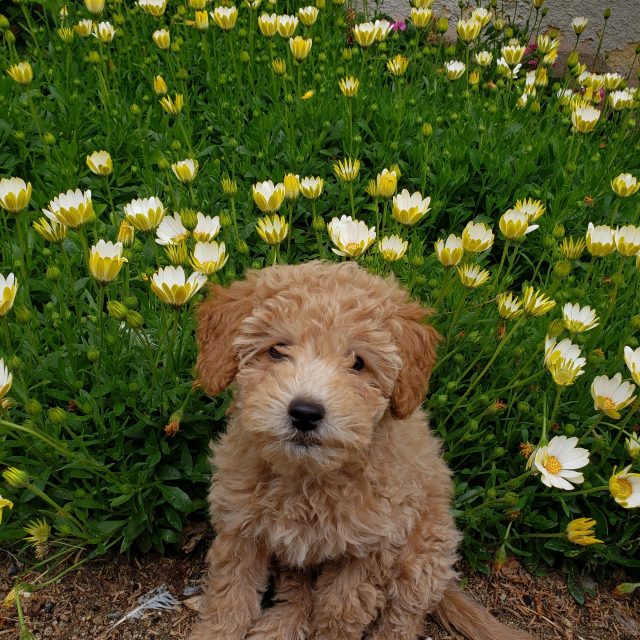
(353, 519)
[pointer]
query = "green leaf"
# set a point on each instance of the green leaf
(167, 472)
(176, 497)
(120, 500)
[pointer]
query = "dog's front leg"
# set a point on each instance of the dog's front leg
(288, 619)
(237, 578)
(346, 600)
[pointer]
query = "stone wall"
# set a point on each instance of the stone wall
(622, 34)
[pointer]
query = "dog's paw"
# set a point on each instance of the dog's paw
(204, 630)
(282, 622)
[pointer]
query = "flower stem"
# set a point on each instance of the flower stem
(454, 318)
(353, 208)
(499, 271)
(591, 429)
(634, 408)
(600, 41)
(60, 511)
(556, 404)
(444, 288)
(172, 331)
(23, 241)
(612, 302)
(101, 288)
(476, 380)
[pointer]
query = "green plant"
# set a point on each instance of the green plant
(103, 424)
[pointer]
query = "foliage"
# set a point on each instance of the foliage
(103, 419)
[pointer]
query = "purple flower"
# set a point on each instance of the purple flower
(400, 25)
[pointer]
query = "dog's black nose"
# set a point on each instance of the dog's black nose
(305, 415)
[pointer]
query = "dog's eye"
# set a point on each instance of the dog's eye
(275, 354)
(358, 365)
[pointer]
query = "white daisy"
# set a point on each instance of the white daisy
(171, 230)
(578, 319)
(610, 395)
(557, 462)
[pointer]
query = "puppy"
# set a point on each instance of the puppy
(328, 478)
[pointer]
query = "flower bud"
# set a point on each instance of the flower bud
(230, 187)
(318, 223)
(500, 558)
(473, 336)
(134, 319)
(442, 24)
(573, 59)
(558, 231)
(440, 400)
(225, 219)
(16, 478)
(173, 426)
(116, 310)
(93, 354)
(189, 218)
(32, 407)
(511, 498)
(23, 314)
(242, 247)
(427, 129)
(562, 268)
(8, 403)
(625, 588)
(57, 415)
(555, 328)
(49, 139)
(131, 302)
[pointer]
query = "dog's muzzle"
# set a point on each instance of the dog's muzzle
(306, 415)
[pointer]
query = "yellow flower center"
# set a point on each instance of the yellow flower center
(552, 465)
(352, 247)
(623, 488)
(609, 404)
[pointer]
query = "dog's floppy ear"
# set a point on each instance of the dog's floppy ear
(219, 318)
(417, 343)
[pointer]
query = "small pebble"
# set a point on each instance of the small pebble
(116, 615)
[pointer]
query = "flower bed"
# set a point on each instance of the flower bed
(148, 149)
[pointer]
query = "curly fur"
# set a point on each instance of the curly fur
(353, 519)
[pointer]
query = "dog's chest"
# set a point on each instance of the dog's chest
(313, 522)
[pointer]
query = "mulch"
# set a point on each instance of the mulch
(86, 603)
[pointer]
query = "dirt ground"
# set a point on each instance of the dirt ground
(87, 603)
